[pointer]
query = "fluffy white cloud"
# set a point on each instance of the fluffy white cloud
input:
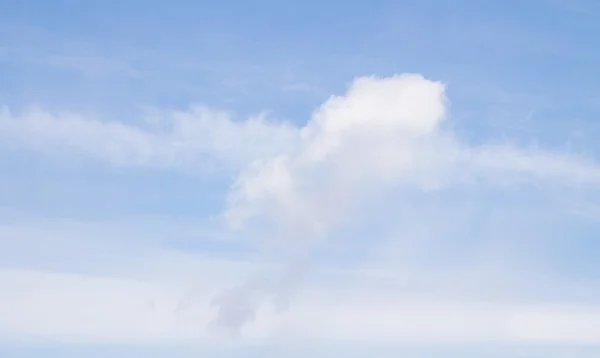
(384, 133)
(302, 182)
(379, 134)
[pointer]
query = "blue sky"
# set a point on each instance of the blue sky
(312, 178)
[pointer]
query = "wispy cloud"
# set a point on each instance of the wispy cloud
(165, 139)
(404, 112)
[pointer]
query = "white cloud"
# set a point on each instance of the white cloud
(382, 131)
(303, 183)
(94, 309)
(174, 138)
(160, 297)
(67, 307)
(383, 134)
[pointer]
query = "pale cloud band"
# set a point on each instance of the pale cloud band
(70, 308)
